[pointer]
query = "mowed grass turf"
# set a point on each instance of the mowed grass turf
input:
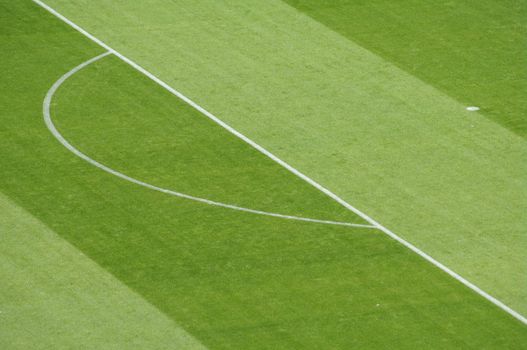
(53, 297)
(472, 50)
(230, 279)
(394, 145)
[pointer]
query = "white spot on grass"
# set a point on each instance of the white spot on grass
(472, 108)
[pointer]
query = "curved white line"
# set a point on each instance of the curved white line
(65, 143)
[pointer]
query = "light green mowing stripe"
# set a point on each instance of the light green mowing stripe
(54, 297)
(450, 182)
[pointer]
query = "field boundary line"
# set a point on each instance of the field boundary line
(312, 182)
(51, 126)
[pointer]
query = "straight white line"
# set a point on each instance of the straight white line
(51, 126)
(407, 244)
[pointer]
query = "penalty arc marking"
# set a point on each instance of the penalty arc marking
(51, 126)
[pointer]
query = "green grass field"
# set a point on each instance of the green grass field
(367, 99)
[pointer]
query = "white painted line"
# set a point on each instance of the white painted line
(407, 244)
(51, 126)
